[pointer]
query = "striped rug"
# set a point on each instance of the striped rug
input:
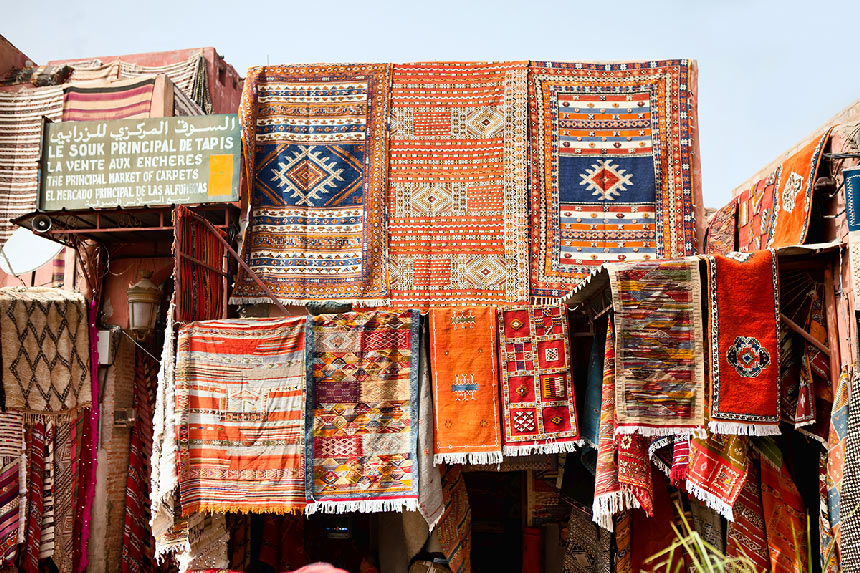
(20, 138)
(108, 100)
(240, 395)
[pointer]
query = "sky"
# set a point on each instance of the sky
(769, 72)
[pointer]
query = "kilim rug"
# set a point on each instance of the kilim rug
(720, 238)
(746, 536)
(124, 99)
(834, 466)
(430, 504)
(455, 527)
(46, 544)
(164, 478)
(362, 415)
(465, 385)
(652, 535)
(755, 213)
(198, 294)
(587, 547)
(744, 345)
(40, 377)
(589, 414)
(851, 179)
(240, 404)
(660, 453)
(815, 395)
(138, 545)
(610, 166)
(457, 201)
(659, 360)
(793, 201)
(708, 524)
(20, 149)
(784, 515)
(717, 470)
(849, 522)
(189, 75)
(827, 550)
(609, 498)
(35, 440)
(64, 497)
(680, 461)
(537, 387)
(11, 450)
(314, 148)
(622, 557)
(634, 470)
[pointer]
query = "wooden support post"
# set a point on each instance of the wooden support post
(832, 326)
(806, 336)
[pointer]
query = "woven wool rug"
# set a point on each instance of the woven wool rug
(12, 460)
(39, 377)
(611, 165)
(125, 99)
(746, 536)
(834, 461)
(587, 548)
(64, 497)
(314, 148)
(457, 201)
(659, 355)
(745, 364)
(720, 238)
(784, 514)
(362, 430)
(589, 414)
(46, 544)
(717, 470)
(455, 527)
(35, 440)
(465, 385)
(537, 386)
(849, 522)
(430, 504)
(240, 408)
(20, 149)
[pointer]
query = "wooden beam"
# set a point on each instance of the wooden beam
(832, 327)
(806, 336)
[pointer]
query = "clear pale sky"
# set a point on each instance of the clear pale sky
(769, 72)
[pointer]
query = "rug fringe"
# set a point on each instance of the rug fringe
(548, 448)
(809, 434)
(711, 501)
(739, 429)
(475, 458)
(362, 506)
(366, 302)
(697, 432)
(545, 300)
(607, 505)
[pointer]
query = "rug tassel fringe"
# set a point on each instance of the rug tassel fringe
(549, 448)
(737, 429)
(366, 302)
(475, 458)
(809, 434)
(607, 505)
(363, 506)
(660, 431)
(545, 300)
(711, 501)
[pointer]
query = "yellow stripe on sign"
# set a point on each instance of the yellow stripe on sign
(220, 174)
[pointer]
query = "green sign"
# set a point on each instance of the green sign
(136, 162)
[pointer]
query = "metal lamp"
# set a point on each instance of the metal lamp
(143, 300)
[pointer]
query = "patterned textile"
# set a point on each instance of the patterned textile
(746, 535)
(720, 239)
(11, 453)
(660, 453)
(680, 461)
(64, 497)
(708, 524)
(535, 462)
(827, 550)
(240, 402)
(623, 562)
(465, 385)
(35, 440)
(362, 416)
(316, 174)
(46, 544)
(588, 546)
(189, 75)
(717, 470)
(589, 414)
(851, 178)
(744, 345)
(37, 376)
(164, 478)
(455, 527)
(108, 101)
(537, 385)
(835, 459)
(659, 362)
(20, 149)
(138, 545)
(815, 395)
(611, 167)
(849, 524)
(199, 293)
(634, 470)
(457, 203)
(651, 535)
(609, 498)
(87, 458)
(775, 211)
(430, 503)
(38, 76)
(785, 517)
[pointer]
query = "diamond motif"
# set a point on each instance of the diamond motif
(432, 200)
(748, 356)
(485, 122)
(484, 272)
(306, 173)
(606, 180)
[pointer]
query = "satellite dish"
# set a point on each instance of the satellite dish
(26, 252)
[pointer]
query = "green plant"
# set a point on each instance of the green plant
(703, 557)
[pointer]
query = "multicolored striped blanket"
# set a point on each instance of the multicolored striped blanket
(240, 405)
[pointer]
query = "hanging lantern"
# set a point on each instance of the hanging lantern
(143, 300)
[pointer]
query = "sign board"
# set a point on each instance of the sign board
(136, 162)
